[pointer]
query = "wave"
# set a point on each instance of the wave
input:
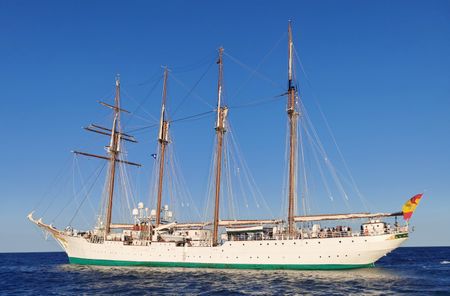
(445, 262)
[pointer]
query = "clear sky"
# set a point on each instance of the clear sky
(380, 71)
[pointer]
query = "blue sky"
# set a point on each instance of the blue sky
(378, 69)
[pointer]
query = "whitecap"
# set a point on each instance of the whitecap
(445, 262)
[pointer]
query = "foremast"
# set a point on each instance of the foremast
(116, 137)
(293, 119)
(113, 150)
(163, 139)
(220, 131)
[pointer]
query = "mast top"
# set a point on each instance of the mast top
(163, 136)
(166, 75)
(221, 110)
(290, 53)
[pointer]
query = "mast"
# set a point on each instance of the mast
(220, 131)
(116, 137)
(163, 139)
(113, 150)
(292, 116)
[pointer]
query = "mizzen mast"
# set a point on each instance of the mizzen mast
(220, 131)
(292, 116)
(163, 139)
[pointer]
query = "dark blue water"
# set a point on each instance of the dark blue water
(412, 271)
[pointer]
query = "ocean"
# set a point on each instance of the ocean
(411, 271)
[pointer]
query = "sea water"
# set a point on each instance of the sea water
(411, 271)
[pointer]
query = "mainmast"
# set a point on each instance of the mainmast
(292, 116)
(220, 131)
(163, 139)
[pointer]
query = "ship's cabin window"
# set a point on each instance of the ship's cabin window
(249, 233)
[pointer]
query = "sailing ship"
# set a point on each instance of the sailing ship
(156, 239)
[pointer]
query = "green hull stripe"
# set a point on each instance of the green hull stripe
(83, 261)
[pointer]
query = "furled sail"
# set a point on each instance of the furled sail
(344, 216)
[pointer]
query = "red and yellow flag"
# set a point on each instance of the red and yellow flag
(410, 206)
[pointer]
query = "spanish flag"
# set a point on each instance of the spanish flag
(410, 206)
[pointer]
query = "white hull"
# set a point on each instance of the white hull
(344, 252)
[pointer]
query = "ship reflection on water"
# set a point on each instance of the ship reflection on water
(248, 282)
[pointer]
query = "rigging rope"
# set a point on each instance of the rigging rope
(363, 200)
(87, 195)
(318, 144)
(248, 68)
(305, 189)
(140, 104)
(259, 102)
(145, 82)
(53, 183)
(191, 117)
(75, 162)
(196, 65)
(203, 114)
(194, 117)
(200, 98)
(181, 183)
(192, 89)
(241, 163)
(126, 187)
(207, 215)
(82, 181)
(259, 65)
